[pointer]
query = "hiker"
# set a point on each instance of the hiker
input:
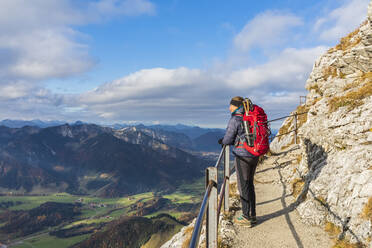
(245, 162)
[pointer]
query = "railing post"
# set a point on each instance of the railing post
(227, 177)
(211, 228)
(295, 127)
(302, 97)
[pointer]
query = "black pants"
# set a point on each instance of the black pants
(245, 169)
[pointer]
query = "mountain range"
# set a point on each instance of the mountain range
(36, 123)
(179, 135)
(91, 159)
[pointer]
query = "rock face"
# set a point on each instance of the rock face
(335, 137)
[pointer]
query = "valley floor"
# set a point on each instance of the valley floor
(97, 211)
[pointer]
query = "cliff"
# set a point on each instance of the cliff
(335, 162)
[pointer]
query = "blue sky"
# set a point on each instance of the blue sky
(182, 33)
(169, 61)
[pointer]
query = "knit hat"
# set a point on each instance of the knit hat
(237, 101)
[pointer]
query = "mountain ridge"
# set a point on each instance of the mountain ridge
(58, 157)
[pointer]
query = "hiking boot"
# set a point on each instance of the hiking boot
(241, 220)
(253, 221)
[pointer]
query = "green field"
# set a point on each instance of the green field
(29, 202)
(113, 209)
(47, 241)
(172, 213)
(188, 193)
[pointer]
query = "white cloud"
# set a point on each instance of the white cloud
(39, 41)
(189, 94)
(143, 84)
(341, 20)
(45, 53)
(265, 30)
(289, 69)
(126, 7)
(14, 90)
(39, 38)
(160, 94)
(22, 100)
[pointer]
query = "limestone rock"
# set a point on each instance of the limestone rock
(336, 137)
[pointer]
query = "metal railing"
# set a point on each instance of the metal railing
(211, 206)
(302, 100)
(295, 116)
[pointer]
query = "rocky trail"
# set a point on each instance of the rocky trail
(279, 224)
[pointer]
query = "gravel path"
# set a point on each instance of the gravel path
(279, 224)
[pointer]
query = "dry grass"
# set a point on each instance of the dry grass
(369, 239)
(228, 215)
(367, 76)
(351, 99)
(367, 143)
(221, 244)
(322, 200)
(299, 158)
(234, 191)
(367, 210)
(340, 145)
(332, 229)
(284, 129)
(346, 244)
(352, 85)
(348, 41)
(301, 119)
(342, 75)
(297, 187)
(188, 234)
(331, 50)
(329, 71)
(269, 153)
(315, 101)
(283, 148)
(316, 88)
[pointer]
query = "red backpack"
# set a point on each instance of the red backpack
(256, 129)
